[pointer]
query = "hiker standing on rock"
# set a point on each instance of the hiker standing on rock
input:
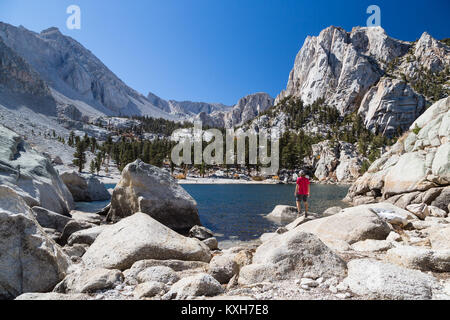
(302, 193)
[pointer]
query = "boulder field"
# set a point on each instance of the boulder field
(370, 251)
(416, 169)
(375, 251)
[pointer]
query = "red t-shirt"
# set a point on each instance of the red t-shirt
(303, 184)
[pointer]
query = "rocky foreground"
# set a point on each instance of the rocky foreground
(149, 244)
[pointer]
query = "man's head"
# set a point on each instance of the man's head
(302, 173)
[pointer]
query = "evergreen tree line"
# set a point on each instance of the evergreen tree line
(155, 126)
(128, 150)
(296, 144)
(122, 152)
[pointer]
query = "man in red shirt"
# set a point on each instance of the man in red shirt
(302, 193)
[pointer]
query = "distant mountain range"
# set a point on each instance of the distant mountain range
(186, 108)
(245, 110)
(388, 81)
(74, 82)
(73, 75)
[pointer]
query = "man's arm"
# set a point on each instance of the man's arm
(296, 189)
(308, 188)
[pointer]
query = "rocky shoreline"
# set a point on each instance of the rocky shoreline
(338, 254)
(114, 179)
(149, 242)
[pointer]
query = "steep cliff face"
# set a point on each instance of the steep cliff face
(367, 71)
(245, 110)
(391, 106)
(75, 76)
(17, 76)
(248, 108)
(338, 162)
(416, 169)
(21, 84)
(341, 66)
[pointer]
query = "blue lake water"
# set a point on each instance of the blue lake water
(95, 206)
(236, 212)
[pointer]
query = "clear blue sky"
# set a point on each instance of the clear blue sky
(215, 50)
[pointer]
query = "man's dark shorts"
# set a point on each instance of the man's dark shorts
(302, 197)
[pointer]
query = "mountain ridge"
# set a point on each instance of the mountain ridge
(75, 75)
(367, 71)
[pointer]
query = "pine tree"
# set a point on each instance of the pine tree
(93, 144)
(92, 167)
(98, 162)
(80, 156)
(71, 140)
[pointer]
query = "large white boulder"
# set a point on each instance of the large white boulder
(420, 258)
(31, 175)
(201, 284)
(148, 189)
(350, 225)
(29, 260)
(89, 281)
(283, 213)
(379, 280)
(288, 256)
(85, 187)
(140, 237)
(331, 211)
(407, 175)
(432, 113)
(441, 163)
